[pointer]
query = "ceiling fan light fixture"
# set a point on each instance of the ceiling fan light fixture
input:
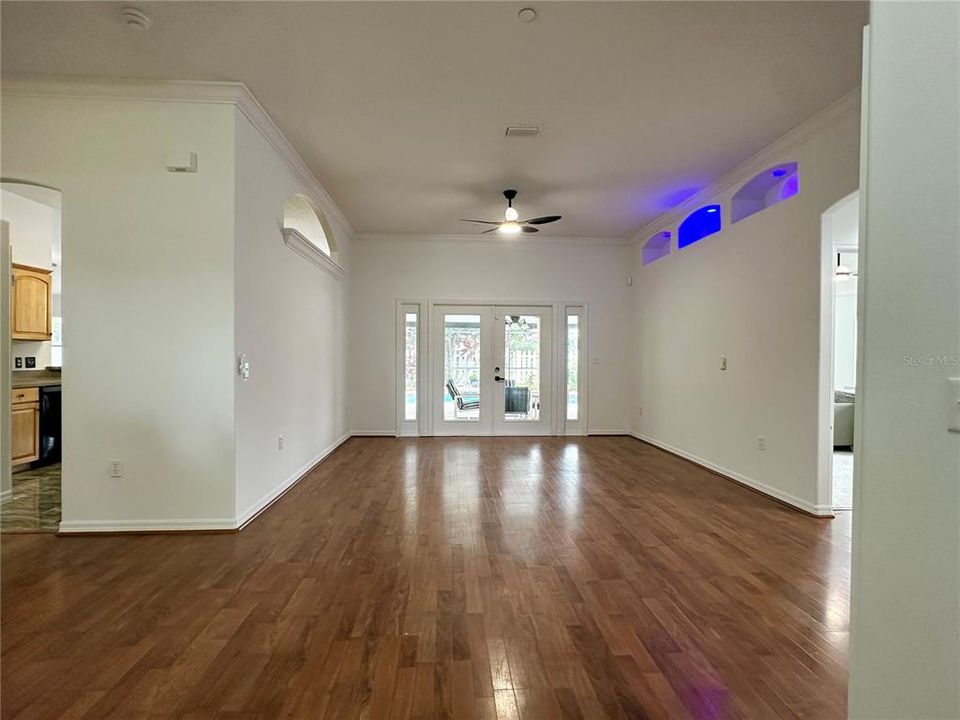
(511, 223)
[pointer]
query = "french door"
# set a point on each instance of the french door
(493, 370)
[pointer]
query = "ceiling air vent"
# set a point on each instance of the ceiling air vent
(522, 130)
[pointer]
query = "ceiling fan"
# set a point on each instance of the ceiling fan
(511, 223)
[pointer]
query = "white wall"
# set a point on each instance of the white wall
(905, 613)
(291, 324)
(386, 269)
(34, 228)
(750, 293)
(149, 254)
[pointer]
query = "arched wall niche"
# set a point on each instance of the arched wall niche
(699, 224)
(307, 232)
(656, 247)
(764, 190)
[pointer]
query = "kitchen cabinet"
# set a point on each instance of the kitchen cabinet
(25, 425)
(30, 303)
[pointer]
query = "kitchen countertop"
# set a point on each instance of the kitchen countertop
(34, 378)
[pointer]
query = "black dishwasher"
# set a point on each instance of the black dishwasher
(50, 446)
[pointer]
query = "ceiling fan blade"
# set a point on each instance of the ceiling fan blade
(482, 222)
(542, 220)
(493, 229)
(528, 229)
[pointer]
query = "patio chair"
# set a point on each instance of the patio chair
(473, 403)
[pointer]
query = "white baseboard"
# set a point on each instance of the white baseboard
(261, 504)
(799, 503)
(198, 524)
(592, 431)
(6, 496)
(100, 526)
(377, 433)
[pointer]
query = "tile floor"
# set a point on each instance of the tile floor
(842, 480)
(35, 502)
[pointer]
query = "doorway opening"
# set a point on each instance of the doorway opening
(838, 371)
(493, 370)
(32, 358)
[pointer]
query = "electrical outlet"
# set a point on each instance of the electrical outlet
(115, 468)
(761, 442)
(280, 442)
(18, 363)
(31, 361)
(639, 410)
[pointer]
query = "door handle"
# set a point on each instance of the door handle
(497, 378)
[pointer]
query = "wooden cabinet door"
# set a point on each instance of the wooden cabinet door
(30, 306)
(25, 432)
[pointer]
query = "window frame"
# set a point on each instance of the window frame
(580, 425)
(404, 427)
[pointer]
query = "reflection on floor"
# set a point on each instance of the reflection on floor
(534, 578)
(842, 479)
(35, 502)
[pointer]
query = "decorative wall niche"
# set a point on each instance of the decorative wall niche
(698, 225)
(765, 190)
(656, 247)
(305, 231)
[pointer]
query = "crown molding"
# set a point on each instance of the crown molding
(490, 239)
(757, 162)
(192, 91)
(307, 250)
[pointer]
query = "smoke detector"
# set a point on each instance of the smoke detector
(135, 18)
(527, 15)
(522, 130)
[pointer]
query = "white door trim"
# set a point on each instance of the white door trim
(578, 426)
(436, 387)
(427, 398)
(546, 425)
(404, 427)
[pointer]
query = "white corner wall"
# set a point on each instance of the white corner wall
(388, 268)
(291, 324)
(750, 293)
(33, 229)
(905, 596)
(148, 302)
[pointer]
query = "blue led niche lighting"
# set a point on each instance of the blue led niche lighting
(765, 190)
(698, 225)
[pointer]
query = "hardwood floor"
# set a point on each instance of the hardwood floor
(446, 578)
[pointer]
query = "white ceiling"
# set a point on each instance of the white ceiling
(400, 108)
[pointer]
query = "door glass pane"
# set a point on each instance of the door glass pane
(573, 366)
(410, 367)
(461, 363)
(521, 367)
